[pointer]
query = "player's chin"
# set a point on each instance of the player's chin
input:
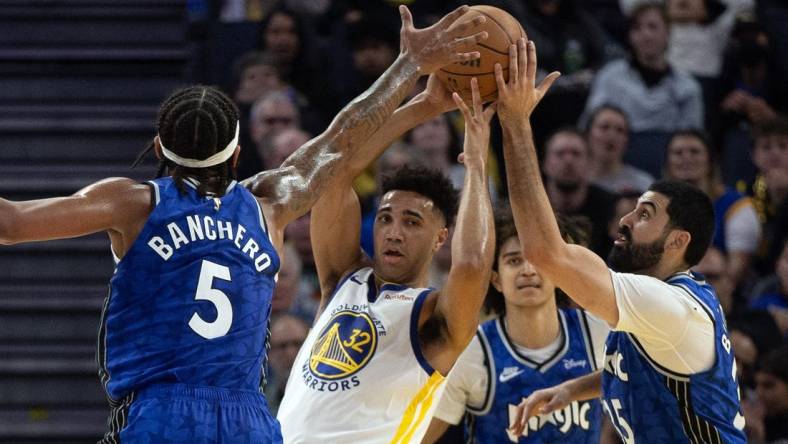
(389, 272)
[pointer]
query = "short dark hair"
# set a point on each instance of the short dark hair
(705, 140)
(250, 59)
(196, 122)
(691, 210)
(428, 182)
(605, 107)
(644, 7)
(776, 363)
(570, 130)
(773, 127)
(572, 231)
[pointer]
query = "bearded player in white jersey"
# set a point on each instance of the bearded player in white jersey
(373, 366)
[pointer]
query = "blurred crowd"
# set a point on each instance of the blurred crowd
(692, 90)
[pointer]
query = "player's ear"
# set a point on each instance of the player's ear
(495, 280)
(678, 239)
(157, 147)
(443, 235)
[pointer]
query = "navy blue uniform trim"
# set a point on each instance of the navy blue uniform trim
(414, 332)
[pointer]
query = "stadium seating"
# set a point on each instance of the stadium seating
(82, 80)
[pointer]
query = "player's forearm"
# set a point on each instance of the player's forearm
(322, 160)
(585, 387)
(401, 121)
(473, 244)
(7, 212)
(533, 215)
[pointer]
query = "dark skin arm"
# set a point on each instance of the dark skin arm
(291, 190)
(576, 270)
(119, 206)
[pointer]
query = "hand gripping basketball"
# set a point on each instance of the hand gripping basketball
(502, 30)
(437, 46)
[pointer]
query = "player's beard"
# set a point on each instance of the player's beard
(634, 257)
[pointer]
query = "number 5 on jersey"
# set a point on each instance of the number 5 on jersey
(205, 292)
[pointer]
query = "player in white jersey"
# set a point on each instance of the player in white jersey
(373, 367)
(669, 374)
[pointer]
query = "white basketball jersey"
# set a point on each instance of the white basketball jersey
(360, 376)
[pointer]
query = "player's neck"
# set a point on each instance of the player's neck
(419, 281)
(533, 327)
(664, 269)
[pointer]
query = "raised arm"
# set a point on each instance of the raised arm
(292, 190)
(336, 216)
(119, 206)
(576, 270)
(473, 245)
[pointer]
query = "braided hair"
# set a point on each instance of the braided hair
(196, 122)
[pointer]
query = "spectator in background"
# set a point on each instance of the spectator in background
(749, 96)
(738, 230)
(772, 388)
(568, 40)
(438, 145)
(770, 190)
(713, 267)
(568, 186)
(776, 301)
(255, 75)
(288, 333)
(373, 44)
(653, 94)
(656, 97)
(284, 143)
(608, 135)
(300, 60)
(699, 34)
(292, 293)
(297, 233)
(270, 114)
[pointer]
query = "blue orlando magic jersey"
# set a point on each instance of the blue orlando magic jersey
(650, 404)
(189, 303)
(512, 377)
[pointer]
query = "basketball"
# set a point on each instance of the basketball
(503, 30)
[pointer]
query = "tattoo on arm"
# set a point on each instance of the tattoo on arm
(312, 167)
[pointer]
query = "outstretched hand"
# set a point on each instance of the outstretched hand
(540, 402)
(437, 96)
(518, 97)
(440, 44)
(477, 127)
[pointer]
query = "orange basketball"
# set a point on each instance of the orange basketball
(502, 31)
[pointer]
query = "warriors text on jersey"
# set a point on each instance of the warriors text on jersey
(360, 376)
(190, 300)
(512, 376)
(648, 402)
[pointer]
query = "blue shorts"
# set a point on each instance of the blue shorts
(175, 413)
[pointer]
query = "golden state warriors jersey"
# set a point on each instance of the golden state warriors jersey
(360, 376)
